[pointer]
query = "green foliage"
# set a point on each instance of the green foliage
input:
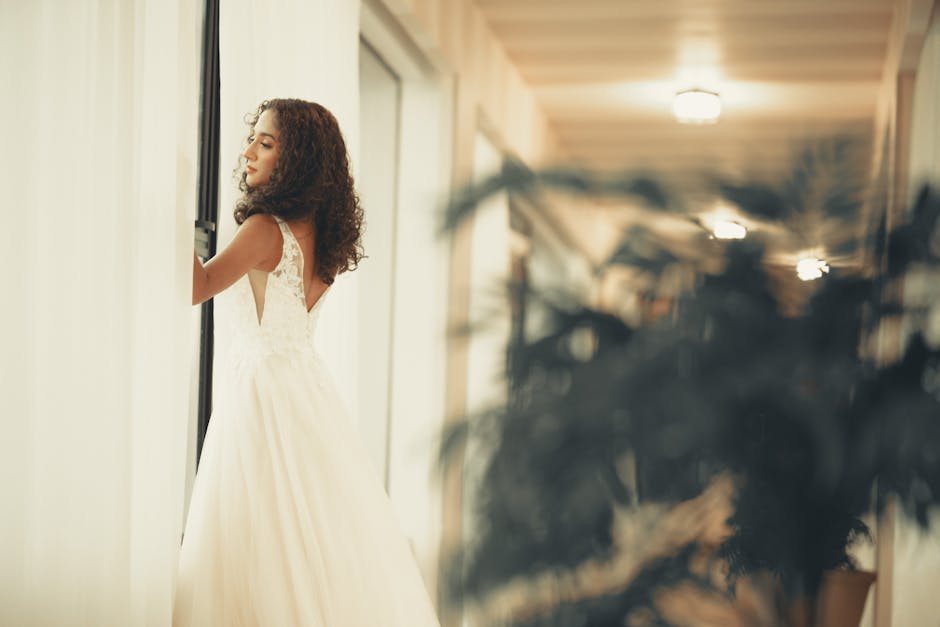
(815, 433)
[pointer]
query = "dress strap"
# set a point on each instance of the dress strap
(285, 230)
(290, 242)
(292, 261)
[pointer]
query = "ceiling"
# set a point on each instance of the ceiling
(605, 72)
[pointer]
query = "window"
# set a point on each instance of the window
(208, 207)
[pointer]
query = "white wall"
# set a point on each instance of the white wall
(380, 99)
(489, 318)
(288, 49)
(925, 117)
(916, 576)
(419, 297)
(490, 260)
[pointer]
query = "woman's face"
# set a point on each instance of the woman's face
(263, 149)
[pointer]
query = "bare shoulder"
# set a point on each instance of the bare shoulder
(265, 236)
(260, 223)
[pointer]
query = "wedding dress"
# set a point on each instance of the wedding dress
(289, 525)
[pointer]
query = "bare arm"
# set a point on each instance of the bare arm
(257, 244)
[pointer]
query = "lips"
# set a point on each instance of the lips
(250, 170)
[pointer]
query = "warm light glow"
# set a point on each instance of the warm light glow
(810, 268)
(697, 106)
(725, 229)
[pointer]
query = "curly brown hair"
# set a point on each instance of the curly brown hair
(311, 181)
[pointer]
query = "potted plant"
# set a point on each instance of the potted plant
(717, 461)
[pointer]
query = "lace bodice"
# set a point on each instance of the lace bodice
(269, 311)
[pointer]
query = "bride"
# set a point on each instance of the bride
(288, 524)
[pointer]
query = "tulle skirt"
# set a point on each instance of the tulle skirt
(288, 523)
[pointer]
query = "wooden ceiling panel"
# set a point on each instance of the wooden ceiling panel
(577, 43)
(585, 40)
(679, 25)
(786, 103)
(617, 71)
(605, 71)
(781, 53)
(505, 11)
(774, 130)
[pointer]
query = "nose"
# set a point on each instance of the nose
(249, 152)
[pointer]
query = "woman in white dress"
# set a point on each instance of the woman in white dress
(289, 525)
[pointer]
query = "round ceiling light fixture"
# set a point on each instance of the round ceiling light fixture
(727, 229)
(697, 106)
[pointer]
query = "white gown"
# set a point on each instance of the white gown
(289, 525)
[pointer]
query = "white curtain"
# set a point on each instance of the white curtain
(305, 49)
(98, 178)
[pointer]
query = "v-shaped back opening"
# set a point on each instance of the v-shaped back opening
(292, 262)
(290, 239)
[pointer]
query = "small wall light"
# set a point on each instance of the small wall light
(697, 106)
(810, 268)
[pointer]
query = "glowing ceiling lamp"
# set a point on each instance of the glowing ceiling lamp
(811, 268)
(697, 106)
(726, 229)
